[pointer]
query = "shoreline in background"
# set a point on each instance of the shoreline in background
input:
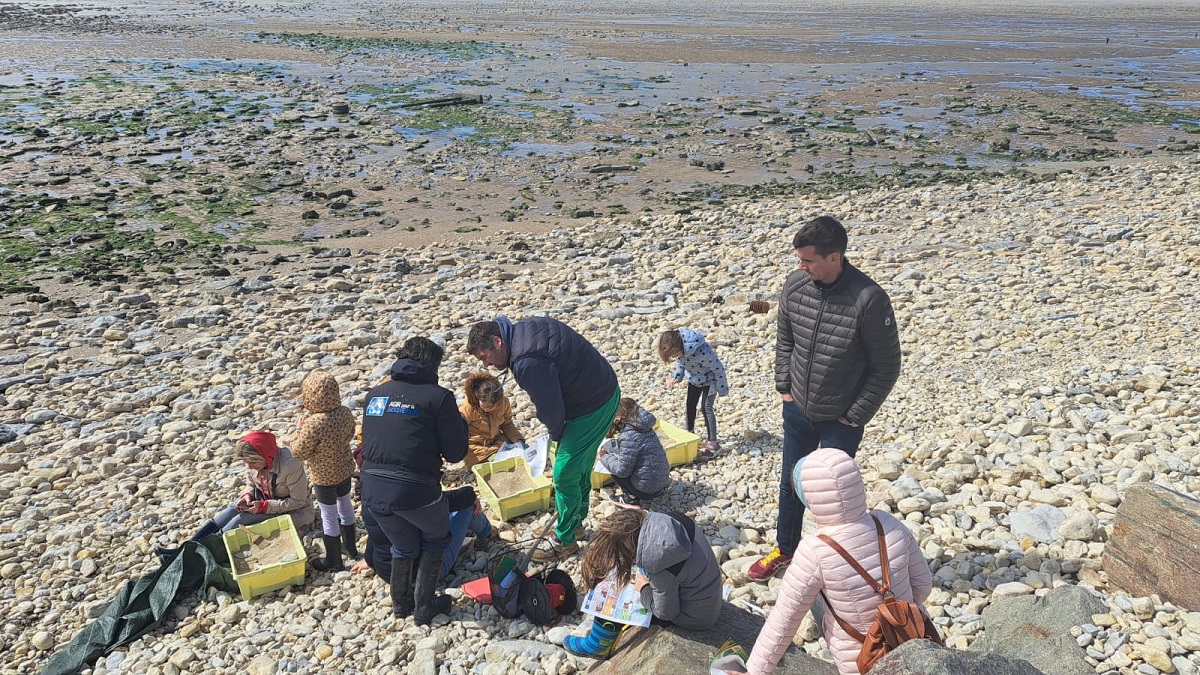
(191, 139)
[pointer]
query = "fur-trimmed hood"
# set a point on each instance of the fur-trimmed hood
(469, 387)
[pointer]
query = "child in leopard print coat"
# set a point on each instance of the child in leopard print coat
(323, 444)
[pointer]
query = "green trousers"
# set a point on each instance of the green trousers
(576, 455)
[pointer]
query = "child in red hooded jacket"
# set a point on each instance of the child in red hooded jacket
(276, 484)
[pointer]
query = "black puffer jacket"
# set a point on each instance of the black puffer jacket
(564, 375)
(837, 350)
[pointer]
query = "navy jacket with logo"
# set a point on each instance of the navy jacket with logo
(410, 426)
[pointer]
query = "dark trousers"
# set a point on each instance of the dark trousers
(415, 530)
(695, 395)
(328, 494)
(800, 437)
(626, 485)
(378, 554)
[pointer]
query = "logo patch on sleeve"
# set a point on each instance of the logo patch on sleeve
(376, 407)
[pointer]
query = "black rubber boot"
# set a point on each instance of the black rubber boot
(165, 555)
(402, 588)
(333, 555)
(209, 528)
(428, 603)
(350, 541)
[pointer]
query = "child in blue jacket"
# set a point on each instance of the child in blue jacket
(696, 362)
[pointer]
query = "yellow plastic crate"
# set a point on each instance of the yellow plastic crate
(270, 577)
(684, 444)
(681, 449)
(525, 501)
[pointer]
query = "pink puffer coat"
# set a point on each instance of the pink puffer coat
(833, 488)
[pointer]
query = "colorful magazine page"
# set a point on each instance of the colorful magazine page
(623, 605)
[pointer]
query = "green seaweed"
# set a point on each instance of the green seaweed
(449, 49)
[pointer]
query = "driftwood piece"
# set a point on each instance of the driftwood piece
(1155, 546)
(611, 168)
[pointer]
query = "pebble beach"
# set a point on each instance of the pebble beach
(1048, 331)
(1048, 321)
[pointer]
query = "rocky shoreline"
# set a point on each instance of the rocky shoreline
(215, 136)
(1048, 330)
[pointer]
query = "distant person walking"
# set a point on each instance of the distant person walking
(837, 356)
(575, 392)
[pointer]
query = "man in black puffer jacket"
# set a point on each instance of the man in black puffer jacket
(837, 356)
(410, 425)
(574, 390)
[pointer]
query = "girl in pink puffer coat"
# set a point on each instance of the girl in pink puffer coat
(831, 486)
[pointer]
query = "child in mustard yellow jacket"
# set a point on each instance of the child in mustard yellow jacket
(489, 418)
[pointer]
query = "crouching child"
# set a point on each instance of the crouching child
(637, 460)
(489, 418)
(677, 574)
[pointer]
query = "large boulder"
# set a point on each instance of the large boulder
(922, 657)
(1155, 546)
(671, 651)
(1039, 629)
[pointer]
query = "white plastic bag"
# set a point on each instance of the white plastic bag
(536, 454)
(507, 450)
(606, 446)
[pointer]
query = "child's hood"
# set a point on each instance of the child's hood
(319, 392)
(643, 421)
(692, 339)
(662, 543)
(472, 380)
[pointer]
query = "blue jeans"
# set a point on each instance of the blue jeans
(800, 437)
(460, 522)
(229, 518)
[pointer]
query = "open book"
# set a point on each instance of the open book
(623, 605)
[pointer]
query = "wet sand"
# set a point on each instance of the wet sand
(185, 139)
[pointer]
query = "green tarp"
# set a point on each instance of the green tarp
(143, 603)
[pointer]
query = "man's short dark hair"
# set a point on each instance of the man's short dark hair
(480, 337)
(422, 350)
(823, 233)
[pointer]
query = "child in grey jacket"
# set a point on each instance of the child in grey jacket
(670, 562)
(636, 460)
